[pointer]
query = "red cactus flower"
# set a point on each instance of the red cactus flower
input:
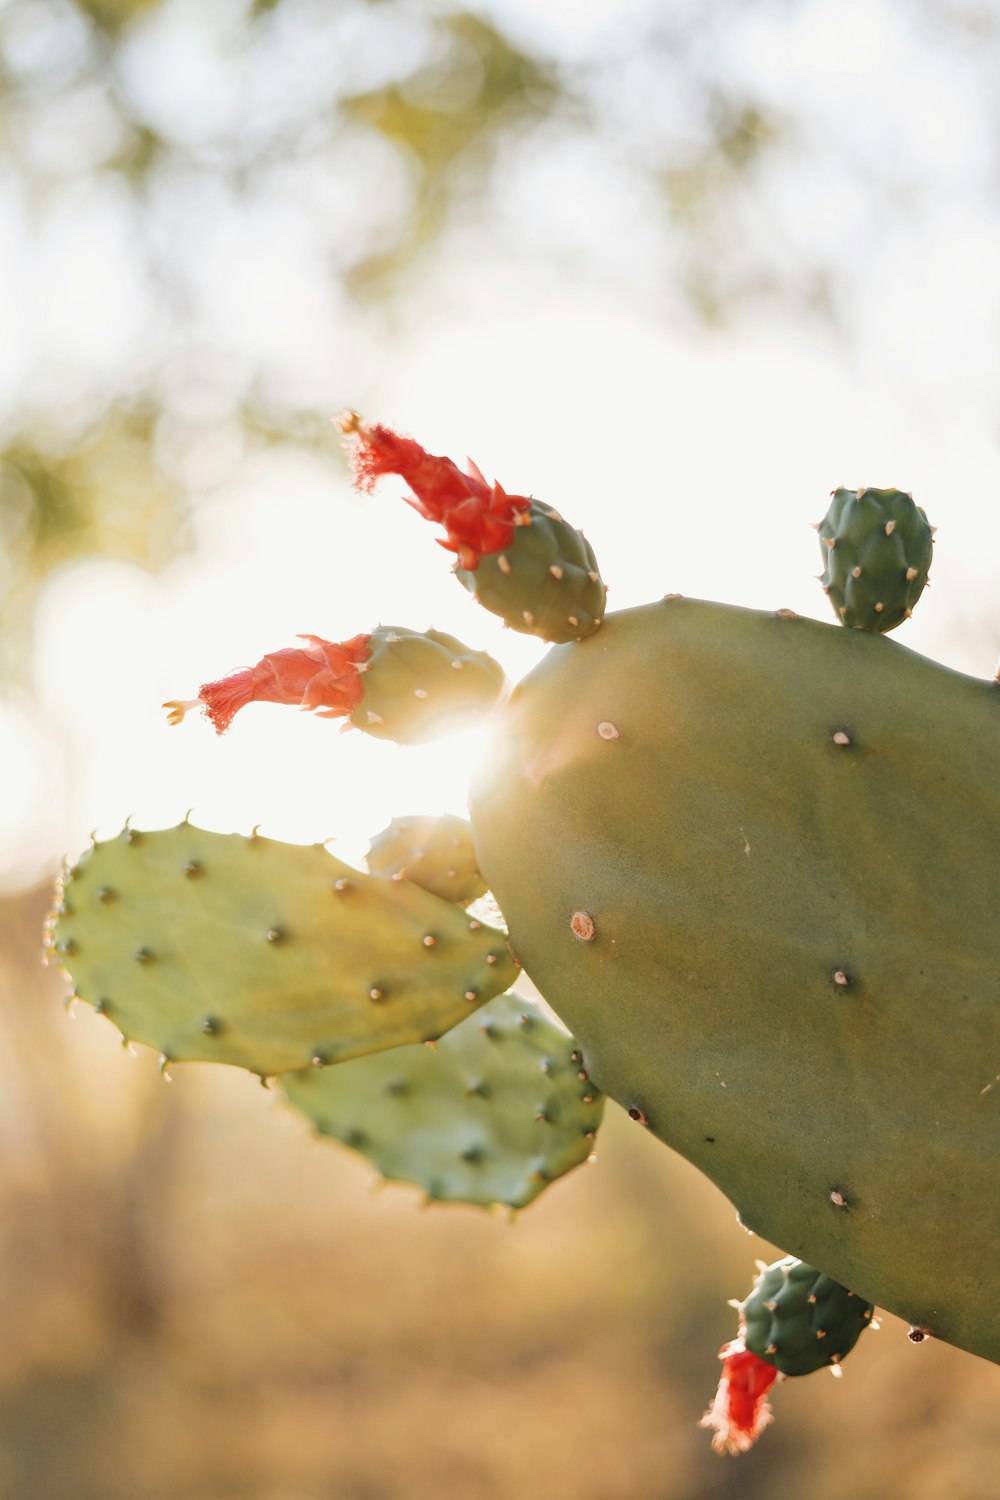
(479, 518)
(741, 1410)
(325, 676)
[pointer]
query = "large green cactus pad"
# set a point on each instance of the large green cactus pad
(752, 861)
(800, 1320)
(498, 1109)
(249, 951)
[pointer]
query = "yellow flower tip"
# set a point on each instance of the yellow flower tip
(348, 423)
(177, 709)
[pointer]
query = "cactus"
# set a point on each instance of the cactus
(519, 559)
(762, 874)
(876, 547)
(748, 859)
(800, 1320)
(269, 956)
(436, 853)
(496, 1111)
(395, 684)
(795, 1321)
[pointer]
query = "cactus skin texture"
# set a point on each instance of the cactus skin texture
(269, 956)
(492, 1114)
(419, 685)
(751, 861)
(437, 854)
(877, 548)
(800, 1320)
(544, 582)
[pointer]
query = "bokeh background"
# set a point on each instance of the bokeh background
(677, 266)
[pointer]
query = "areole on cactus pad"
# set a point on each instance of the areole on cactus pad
(749, 859)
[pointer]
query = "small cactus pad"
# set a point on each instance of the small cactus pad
(544, 582)
(266, 955)
(499, 1108)
(800, 1320)
(419, 685)
(876, 547)
(435, 853)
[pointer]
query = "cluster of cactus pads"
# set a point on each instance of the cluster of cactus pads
(748, 859)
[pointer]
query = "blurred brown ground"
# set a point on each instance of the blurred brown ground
(198, 1300)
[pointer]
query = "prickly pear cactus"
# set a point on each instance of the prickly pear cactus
(794, 1322)
(436, 853)
(269, 956)
(519, 559)
(876, 547)
(800, 1320)
(734, 881)
(750, 860)
(498, 1109)
(396, 684)
(420, 684)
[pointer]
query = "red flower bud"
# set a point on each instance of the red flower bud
(741, 1410)
(479, 518)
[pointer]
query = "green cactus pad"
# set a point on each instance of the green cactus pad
(422, 684)
(435, 853)
(266, 955)
(800, 1320)
(877, 548)
(493, 1113)
(751, 861)
(545, 582)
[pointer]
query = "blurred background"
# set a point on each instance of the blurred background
(677, 266)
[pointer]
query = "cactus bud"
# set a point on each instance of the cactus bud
(521, 560)
(395, 684)
(876, 547)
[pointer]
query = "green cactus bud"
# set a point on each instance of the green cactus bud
(876, 547)
(520, 559)
(497, 1110)
(396, 684)
(800, 1320)
(265, 955)
(419, 685)
(544, 582)
(435, 853)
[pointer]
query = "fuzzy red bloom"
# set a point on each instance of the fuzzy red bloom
(741, 1410)
(324, 675)
(479, 518)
